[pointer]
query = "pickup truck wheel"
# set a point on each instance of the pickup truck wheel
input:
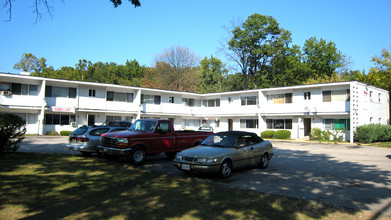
(138, 156)
(225, 169)
(264, 162)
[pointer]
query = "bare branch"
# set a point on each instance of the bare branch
(8, 3)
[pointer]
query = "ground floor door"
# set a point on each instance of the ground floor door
(91, 120)
(307, 126)
(230, 124)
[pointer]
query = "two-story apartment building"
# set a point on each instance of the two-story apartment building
(55, 105)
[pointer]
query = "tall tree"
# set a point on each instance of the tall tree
(212, 75)
(380, 75)
(253, 45)
(37, 4)
(176, 69)
(323, 57)
(28, 63)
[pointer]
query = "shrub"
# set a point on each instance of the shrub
(53, 133)
(372, 132)
(316, 134)
(12, 129)
(65, 133)
(282, 134)
(267, 134)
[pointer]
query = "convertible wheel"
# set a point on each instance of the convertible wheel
(86, 154)
(225, 169)
(264, 161)
(138, 156)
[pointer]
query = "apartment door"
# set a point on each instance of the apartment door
(230, 124)
(91, 120)
(307, 126)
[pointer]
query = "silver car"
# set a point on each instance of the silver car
(86, 138)
(222, 152)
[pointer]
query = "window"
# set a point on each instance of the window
(98, 131)
(379, 97)
(249, 100)
(113, 118)
(119, 96)
(211, 103)
(279, 123)
(336, 95)
(191, 102)
(16, 89)
(230, 100)
(91, 92)
(51, 91)
(5, 86)
(72, 93)
(282, 98)
(248, 123)
(56, 119)
(170, 99)
(326, 96)
(191, 123)
(337, 124)
(150, 99)
(110, 96)
(307, 96)
(23, 89)
(33, 90)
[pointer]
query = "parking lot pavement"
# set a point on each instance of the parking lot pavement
(352, 176)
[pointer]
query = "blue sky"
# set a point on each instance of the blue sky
(95, 31)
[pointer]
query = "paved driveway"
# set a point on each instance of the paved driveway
(352, 176)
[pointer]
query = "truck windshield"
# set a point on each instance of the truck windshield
(141, 125)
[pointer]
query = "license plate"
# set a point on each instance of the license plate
(185, 167)
(74, 140)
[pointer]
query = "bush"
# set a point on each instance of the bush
(65, 133)
(53, 133)
(372, 132)
(316, 134)
(267, 134)
(12, 129)
(282, 134)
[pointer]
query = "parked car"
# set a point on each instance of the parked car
(126, 124)
(149, 136)
(86, 138)
(222, 152)
(205, 127)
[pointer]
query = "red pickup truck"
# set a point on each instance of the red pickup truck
(149, 136)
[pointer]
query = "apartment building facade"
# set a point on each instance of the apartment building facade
(55, 105)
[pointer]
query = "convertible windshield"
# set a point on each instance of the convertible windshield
(217, 140)
(141, 125)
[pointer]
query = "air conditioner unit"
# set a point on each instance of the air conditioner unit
(5, 93)
(73, 124)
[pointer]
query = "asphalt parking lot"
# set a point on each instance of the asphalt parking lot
(353, 176)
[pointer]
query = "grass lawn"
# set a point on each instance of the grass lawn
(381, 144)
(55, 186)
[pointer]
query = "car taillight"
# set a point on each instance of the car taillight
(83, 139)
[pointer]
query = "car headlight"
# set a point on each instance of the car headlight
(122, 141)
(207, 160)
(179, 157)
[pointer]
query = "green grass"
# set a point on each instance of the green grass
(55, 186)
(381, 144)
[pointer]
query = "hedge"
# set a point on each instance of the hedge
(65, 133)
(268, 134)
(282, 134)
(372, 133)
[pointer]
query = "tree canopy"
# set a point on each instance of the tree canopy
(259, 47)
